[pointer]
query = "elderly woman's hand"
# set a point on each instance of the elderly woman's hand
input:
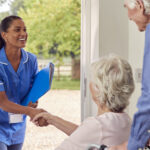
(33, 105)
(34, 111)
(42, 119)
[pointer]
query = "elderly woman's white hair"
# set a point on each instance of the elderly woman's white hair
(131, 4)
(112, 76)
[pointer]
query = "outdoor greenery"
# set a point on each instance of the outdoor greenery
(66, 83)
(2, 1)
(53, 25)
(16, 5)
(53, 28)
(3, 15)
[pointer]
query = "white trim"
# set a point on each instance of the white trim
(26, 58)
(1, 83)
(89, 50)
(85, 58)
(3, 63)
(95, 30)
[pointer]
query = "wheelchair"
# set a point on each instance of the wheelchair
(97, 147)
(104, 147)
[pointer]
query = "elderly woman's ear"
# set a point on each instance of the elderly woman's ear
(94, 91)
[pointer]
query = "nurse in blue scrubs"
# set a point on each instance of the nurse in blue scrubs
(17, 71)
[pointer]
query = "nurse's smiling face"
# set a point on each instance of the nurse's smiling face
(16, 35)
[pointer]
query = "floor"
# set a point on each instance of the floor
(64, 103)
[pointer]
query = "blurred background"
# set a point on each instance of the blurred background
(53, 28)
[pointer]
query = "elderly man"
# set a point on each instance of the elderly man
(139, 12)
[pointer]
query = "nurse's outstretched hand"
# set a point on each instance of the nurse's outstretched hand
(34, 111)
(42, 116)
(33, 105)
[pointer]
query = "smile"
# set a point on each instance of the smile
(22, 39)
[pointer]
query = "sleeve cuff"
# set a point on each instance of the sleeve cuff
(134, 144)
(1, 87)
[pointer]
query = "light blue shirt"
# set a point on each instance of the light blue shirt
(140, 131)
(16, 85)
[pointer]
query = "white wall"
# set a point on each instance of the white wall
(106, 29)
(113, 28)
(121, 36)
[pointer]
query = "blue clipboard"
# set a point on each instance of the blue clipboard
(42, 83)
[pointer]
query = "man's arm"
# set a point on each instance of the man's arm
(140, 130)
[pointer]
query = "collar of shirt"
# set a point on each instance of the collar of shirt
(4, 60)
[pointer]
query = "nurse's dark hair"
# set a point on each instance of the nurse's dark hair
(4, 25)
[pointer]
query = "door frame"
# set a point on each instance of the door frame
(89, 51)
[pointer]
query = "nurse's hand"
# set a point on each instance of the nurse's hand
(35, 112)
(42, 119)
(33, 105)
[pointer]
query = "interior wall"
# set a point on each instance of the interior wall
(106, 29)
(121, 36)
(113, 31)
(113, 28)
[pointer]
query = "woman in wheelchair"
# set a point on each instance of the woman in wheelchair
(111, 87)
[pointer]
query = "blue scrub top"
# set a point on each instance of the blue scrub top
(16, 85)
